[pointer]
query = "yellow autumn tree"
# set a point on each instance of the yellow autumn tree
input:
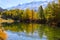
(27, 14)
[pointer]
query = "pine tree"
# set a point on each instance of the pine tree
(41, 12)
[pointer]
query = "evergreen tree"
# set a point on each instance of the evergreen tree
(41, 12)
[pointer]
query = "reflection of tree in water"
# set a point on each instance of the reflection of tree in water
(29, 28)
(20, 27)
(50, 32)
(3, 35)
(15, 27)
(41, 30)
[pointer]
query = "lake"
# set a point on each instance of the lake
(31, 31)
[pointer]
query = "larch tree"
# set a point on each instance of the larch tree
(41, 12)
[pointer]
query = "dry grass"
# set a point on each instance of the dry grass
(8, 21)
(3, 34)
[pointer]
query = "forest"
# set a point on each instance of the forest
(48, 15)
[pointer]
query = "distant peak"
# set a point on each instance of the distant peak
(19, 5)
(31, 5)
(1, 8)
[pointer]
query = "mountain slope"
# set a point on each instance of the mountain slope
(31, 5)
(1, 9)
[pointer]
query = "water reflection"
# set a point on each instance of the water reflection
(23, 31)
(50, 32)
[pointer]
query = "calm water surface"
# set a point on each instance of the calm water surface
(23, 31)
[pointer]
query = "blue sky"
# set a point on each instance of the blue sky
(9, 3)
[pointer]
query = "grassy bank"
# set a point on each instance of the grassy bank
(8, 21)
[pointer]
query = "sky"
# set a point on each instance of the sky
(10, 3)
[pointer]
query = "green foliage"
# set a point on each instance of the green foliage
(17, 14)
(51, 12)
(41, 12)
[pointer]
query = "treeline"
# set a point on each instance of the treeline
(20, 15)
(50, 14)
